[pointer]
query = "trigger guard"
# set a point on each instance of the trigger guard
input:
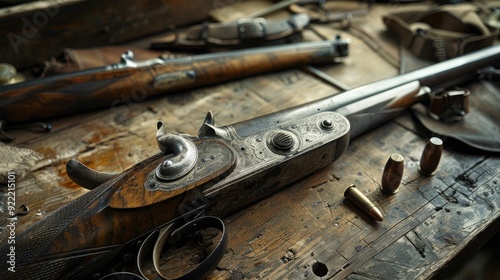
(162, 236)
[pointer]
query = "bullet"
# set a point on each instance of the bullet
(431, 156)
(393, 173)
(363, 203)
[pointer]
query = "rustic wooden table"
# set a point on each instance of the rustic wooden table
(308, 230)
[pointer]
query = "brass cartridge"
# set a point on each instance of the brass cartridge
(363, 203)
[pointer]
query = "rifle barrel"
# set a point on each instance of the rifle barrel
(439, 75)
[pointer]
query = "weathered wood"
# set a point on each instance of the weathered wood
(430, 226)
(33, 32)
(388, 250)
(62, 95)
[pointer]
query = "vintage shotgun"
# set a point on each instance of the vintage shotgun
(131, 80)
(220, 171)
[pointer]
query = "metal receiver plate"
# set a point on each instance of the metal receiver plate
(263, 169)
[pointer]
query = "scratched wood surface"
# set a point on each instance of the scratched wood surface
(31, 32)
(308, 230)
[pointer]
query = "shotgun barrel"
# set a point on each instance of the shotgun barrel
(439, 75)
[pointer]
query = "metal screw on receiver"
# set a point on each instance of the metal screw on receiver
(282, 141)
(431, 156)
(393, 173)
(327, 124)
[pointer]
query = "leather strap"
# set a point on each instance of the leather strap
(445, 32)
(493, 19)
(319, 14)
(245, 32)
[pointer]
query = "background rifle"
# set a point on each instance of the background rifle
(108, 86)
(230, 168)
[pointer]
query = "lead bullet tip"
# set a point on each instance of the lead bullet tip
(376, 214)
(363, 202)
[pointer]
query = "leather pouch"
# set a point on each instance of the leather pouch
(246, 32)
(480, 127)
(441, 33)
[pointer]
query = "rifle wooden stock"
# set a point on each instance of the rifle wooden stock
(109, 86)
(92, 230)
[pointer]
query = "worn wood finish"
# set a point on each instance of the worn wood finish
(430, 226)
(311, 222)
(79, 92)
(33, 32)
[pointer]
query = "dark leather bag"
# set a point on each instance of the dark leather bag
(441, 33)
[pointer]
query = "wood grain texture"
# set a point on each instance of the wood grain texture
(34, 32)
(430, 226)
(72, 93)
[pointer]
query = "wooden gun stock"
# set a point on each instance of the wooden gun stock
(233, 166)
(108, 86)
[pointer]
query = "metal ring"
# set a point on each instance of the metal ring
(162, 236)
(122, 276)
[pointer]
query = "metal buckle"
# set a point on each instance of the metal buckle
(252, 28)
(450, 105)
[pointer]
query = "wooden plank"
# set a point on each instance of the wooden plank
(307, 230)
(29, 28)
